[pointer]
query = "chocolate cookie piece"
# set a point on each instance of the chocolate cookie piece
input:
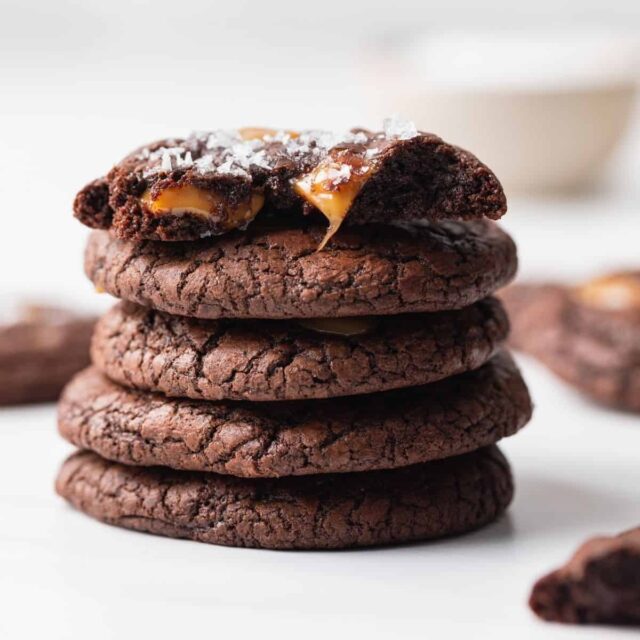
(380, 431)
(292, 360)
(594, 347)
(599, 585)
(213, 182)
(277, 273)
(334, 511)
(41, 348)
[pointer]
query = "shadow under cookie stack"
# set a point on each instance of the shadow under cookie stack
(271, 381)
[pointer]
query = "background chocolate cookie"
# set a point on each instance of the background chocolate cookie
(385, 430)
(40, 350)
(278, 360)
(424, 501)
(593, 347)
(599, 585)
(278, 273)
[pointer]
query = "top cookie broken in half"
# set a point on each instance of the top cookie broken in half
(214, 182)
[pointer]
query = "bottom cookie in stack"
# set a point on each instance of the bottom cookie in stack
(329, 511)
(390, 467)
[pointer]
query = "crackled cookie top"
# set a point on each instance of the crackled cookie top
(212, 182)
(278, 273)
(292, 360)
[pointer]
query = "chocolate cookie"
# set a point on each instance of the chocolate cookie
(41, 348)
(384, 430)
(599, 585)
(278, 273)
(334, 511)
(291, 360)
(214, 182)
(588, 335)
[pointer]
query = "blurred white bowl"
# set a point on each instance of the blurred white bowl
(544, 111)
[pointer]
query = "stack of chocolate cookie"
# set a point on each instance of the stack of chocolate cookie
(269, 380)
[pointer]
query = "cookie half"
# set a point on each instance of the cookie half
(278, 273)
(41, 348)
(379, 431)
(217, 181)
(594, 350)
(600, 584)
(315, 512)
(291, 360)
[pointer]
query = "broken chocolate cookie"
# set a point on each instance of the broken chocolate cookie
(213, 182)
(599, 585)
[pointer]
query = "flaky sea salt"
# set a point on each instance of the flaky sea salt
(230, 168)
(398, 127)
(166, 164)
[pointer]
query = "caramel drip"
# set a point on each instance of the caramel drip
(187, 199)
(616, 292)
(332, 187)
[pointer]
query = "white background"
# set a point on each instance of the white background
(81, 83)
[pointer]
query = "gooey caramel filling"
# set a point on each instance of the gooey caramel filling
(616, 292)
(352, 326)
(183, 199)
(332, 187)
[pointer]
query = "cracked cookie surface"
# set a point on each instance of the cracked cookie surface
(271, 439)
(285, 360)
(278, 273)
(332, 511)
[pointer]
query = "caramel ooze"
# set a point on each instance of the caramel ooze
(189, 199)
(331, 187)
(325, 188)
(617, 292)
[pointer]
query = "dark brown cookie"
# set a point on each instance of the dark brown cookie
(291, 360)
(213, 182)
(594, 347)
(40, 350)
(277, 273)
(334, 511)
(385, 430)
(599, 585)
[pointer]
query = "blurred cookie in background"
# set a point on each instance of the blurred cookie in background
(599, 585)
(588, 334)
(41, 347)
